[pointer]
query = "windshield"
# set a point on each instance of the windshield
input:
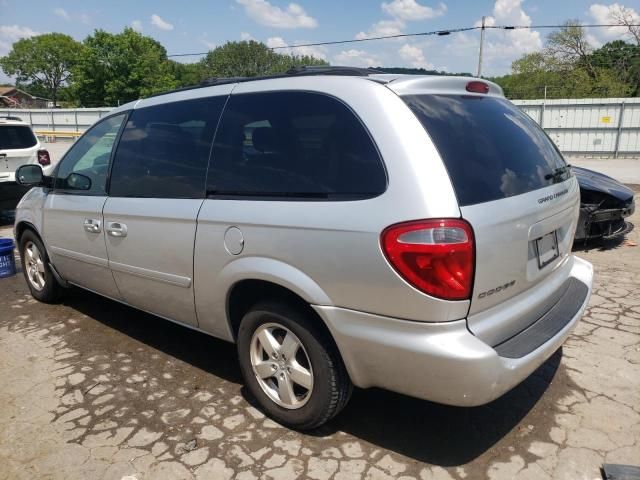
(490, 148)
(16, 136)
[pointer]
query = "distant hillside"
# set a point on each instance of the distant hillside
(419, 71)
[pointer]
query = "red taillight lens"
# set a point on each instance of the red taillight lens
(43, 158)
(477, 87)
(435, 256)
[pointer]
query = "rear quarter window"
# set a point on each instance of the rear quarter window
(490, 148)
(293, 145)
(16, 137)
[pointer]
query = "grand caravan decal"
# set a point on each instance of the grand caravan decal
(553, 196)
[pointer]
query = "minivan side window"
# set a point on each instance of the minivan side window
(293, 145)
(164, 150)
(88, 158)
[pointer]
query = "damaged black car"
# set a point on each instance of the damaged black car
(604, 205)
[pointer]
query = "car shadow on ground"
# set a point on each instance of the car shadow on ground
(425, 431)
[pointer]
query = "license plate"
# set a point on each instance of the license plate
(547, 249)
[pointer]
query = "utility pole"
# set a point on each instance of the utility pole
(481, 47)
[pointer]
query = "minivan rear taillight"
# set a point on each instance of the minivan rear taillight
(435, 256)
(43, 158)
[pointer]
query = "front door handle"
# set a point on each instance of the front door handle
(92, 225)
(116, 229)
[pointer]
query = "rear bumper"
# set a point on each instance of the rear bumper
(441, 362)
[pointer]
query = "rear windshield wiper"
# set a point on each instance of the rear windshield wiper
(558, 172)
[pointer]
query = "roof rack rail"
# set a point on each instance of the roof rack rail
(333, 70)
(10, 117)
(304, 70)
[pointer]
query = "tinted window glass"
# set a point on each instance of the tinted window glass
(490, 148)
(164, 150)
(16, 136)
(89, 157)
(293, 144)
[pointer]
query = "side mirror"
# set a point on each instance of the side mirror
(77, 181)
(30, 175)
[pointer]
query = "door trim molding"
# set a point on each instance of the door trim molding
(169, 278)
(81, 257)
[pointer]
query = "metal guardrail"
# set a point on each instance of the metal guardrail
(603, 127)
(59, 122)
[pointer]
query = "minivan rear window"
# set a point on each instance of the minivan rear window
(490, 148)
(16, 136)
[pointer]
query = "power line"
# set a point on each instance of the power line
(420, 34)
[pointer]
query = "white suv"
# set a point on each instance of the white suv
(18, 146)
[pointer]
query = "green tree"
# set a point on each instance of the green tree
(569, 67)
(250, 59)
(187, 74)
(44, 61)
(118, 68)
(622, 58)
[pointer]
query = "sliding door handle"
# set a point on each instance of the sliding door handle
(116, 229)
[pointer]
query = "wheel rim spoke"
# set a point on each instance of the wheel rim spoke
(268, 342)
(264, 369)
(289, 346)
(285, 390)
(301, 376)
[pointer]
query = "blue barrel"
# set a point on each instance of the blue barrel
(7, 260)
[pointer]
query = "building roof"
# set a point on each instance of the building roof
(5, 90)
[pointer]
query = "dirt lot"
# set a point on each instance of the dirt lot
(90, 389)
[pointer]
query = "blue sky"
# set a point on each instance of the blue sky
(197, 25)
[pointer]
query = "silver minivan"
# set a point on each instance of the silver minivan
(343, 227)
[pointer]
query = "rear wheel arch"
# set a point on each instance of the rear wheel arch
(245, 294)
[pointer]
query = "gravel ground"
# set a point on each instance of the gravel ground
(91, 389)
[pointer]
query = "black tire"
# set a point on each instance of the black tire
(331, 384)
(51, 290)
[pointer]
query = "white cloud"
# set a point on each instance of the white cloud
(356, 58)
(402, 11)
(410, 10)
(137, 25)
(313, 51)
(16, 32)
(245, 36)
(276, 42)
(208, 44)
(414, 56)
(12, 33)
(607, 14)
(383, 28)
(262, 12)
(158, 22)
(62, 13)
(503, 47)
(80, 17)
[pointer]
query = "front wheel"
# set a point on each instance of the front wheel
(35, 266)
(291, 366)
